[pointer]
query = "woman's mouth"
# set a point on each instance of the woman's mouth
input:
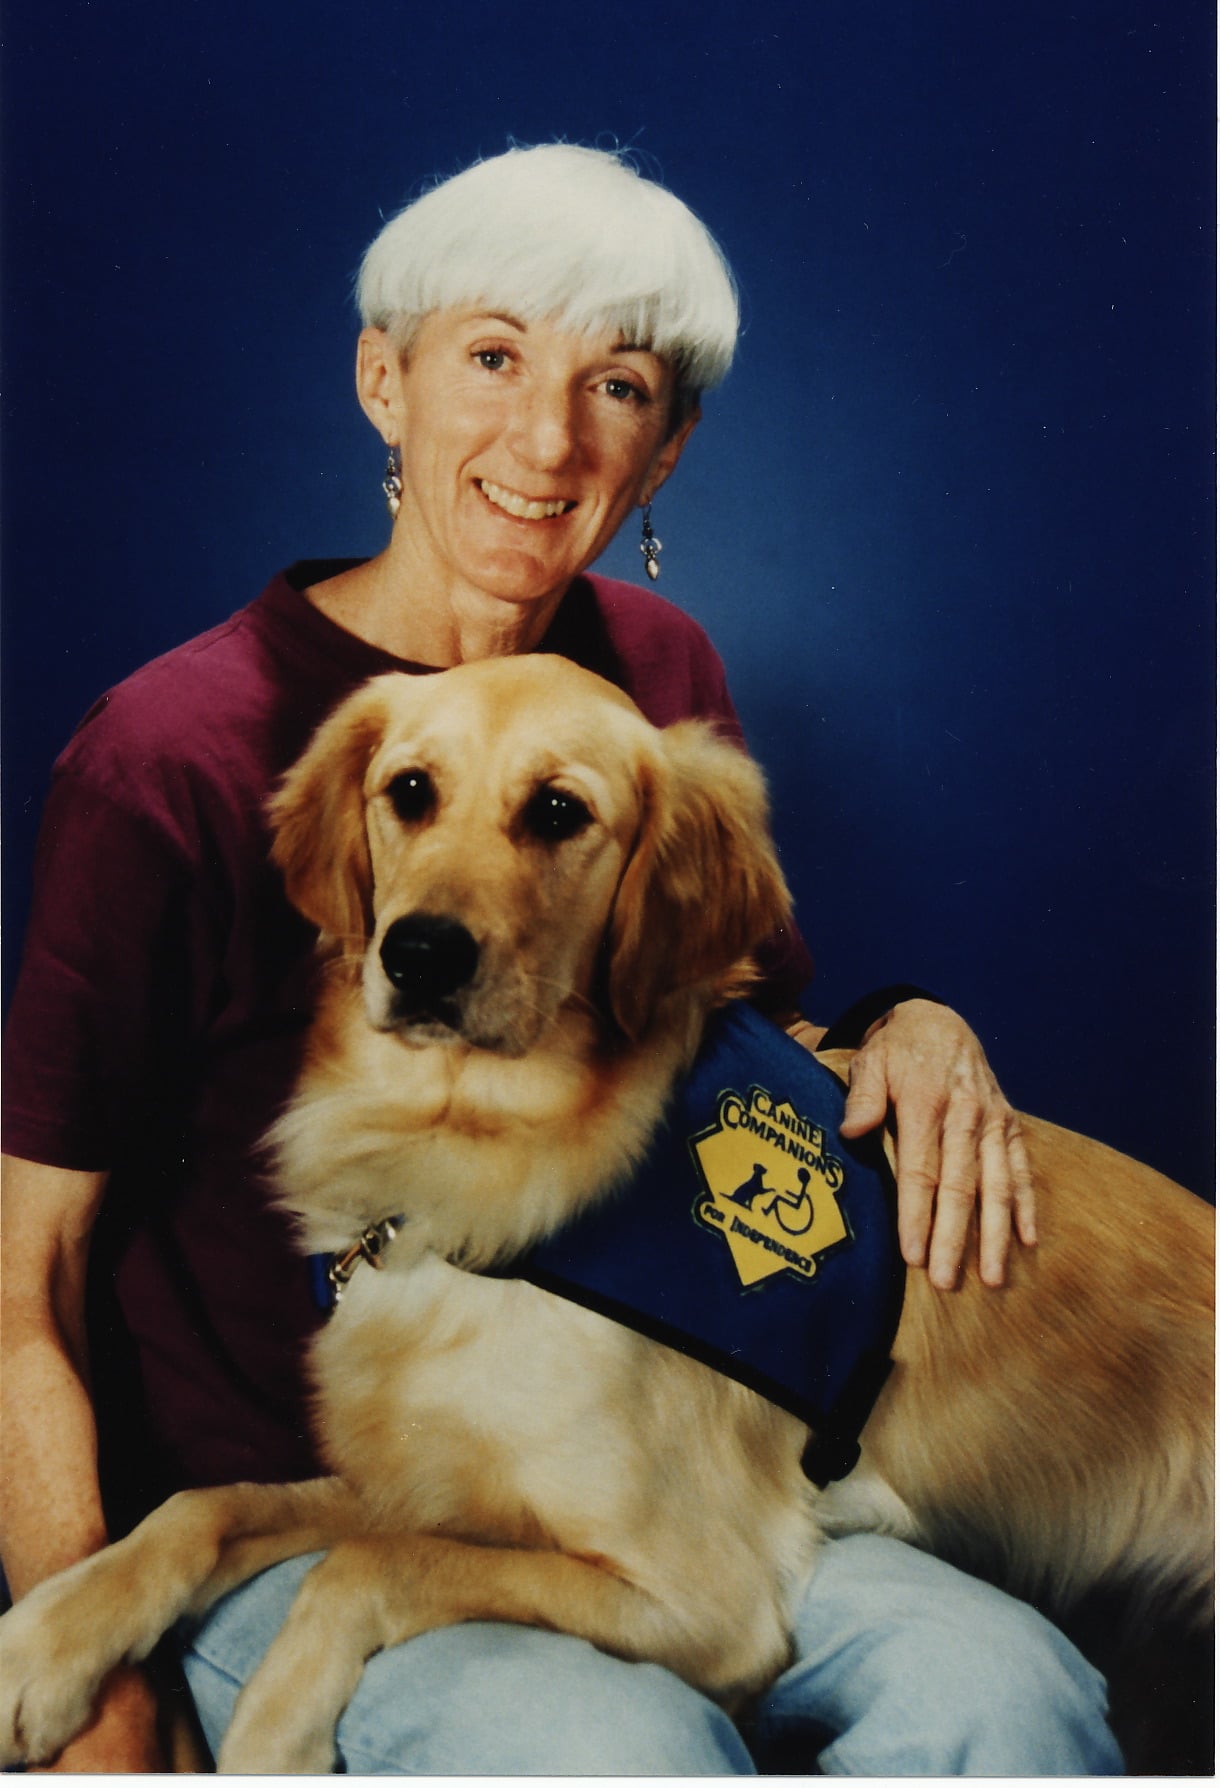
(523, 508)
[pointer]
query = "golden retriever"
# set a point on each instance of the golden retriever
(531, 900)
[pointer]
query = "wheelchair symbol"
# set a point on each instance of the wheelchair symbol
(799, 1205)
(793, 1211)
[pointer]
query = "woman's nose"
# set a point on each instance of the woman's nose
(545, 433)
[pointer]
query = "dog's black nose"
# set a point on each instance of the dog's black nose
(427, 957)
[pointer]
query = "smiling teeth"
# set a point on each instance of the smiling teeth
(524, 508)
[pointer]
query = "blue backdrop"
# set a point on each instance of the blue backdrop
(950, 520)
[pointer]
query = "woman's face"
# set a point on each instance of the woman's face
(524, 445)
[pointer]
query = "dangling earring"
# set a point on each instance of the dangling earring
(650, 546)
(391, 484)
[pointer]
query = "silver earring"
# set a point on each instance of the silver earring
(391, 484)
(650, 546)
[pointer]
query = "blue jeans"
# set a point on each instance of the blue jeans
(905, 1666)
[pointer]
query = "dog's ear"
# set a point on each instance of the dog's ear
(703, 886)
(317, 815)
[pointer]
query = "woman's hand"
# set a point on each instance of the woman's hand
(959, 1140)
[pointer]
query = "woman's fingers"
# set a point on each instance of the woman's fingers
(1024, 1196)
(997, 1202)
(868, 1094)
(962, 1178)
(919, 1178)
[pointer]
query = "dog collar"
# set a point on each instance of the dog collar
(331, 1272)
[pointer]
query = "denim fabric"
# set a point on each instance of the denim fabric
(919, 1669)
(905, 1666)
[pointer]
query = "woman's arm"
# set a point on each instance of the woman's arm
(50, 1502)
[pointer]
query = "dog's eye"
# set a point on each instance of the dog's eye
(552, 815)
(412, 793)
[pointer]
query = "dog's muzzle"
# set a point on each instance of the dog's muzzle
(427, 959)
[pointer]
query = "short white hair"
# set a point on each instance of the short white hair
(565, 232)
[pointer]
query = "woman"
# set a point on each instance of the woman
(537, 334)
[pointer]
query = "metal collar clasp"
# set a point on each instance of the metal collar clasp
(370, 1246)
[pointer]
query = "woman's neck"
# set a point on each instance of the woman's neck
(381, 603)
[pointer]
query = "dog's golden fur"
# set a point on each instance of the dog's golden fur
(501, 1453)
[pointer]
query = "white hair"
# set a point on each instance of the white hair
(563, 232)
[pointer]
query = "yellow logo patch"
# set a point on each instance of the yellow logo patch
(771, 1187)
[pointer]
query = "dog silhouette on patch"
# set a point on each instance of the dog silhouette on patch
(750, 1189)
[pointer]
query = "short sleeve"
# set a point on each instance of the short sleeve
(97, 1035)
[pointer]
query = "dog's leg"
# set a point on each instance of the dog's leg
(60, 1641)
(378, 1591)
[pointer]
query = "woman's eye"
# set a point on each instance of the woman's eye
(553, 816)
(625, 392)
(412, 794)
(492, 359)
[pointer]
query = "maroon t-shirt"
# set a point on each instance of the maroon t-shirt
(166, 985)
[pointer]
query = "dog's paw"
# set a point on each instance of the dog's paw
(285, 1719)
(267, 1748)
(47, 1687)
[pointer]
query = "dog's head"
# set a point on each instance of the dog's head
(498, 841)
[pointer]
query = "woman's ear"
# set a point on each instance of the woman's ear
(668, 455)
(320, 844)
(703, 886)
(379, 383)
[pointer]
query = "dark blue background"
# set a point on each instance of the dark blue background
(950, 521)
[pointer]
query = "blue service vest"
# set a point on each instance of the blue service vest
(752, 1238)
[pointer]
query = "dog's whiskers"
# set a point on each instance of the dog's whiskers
(572, 998)
(348, 957)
